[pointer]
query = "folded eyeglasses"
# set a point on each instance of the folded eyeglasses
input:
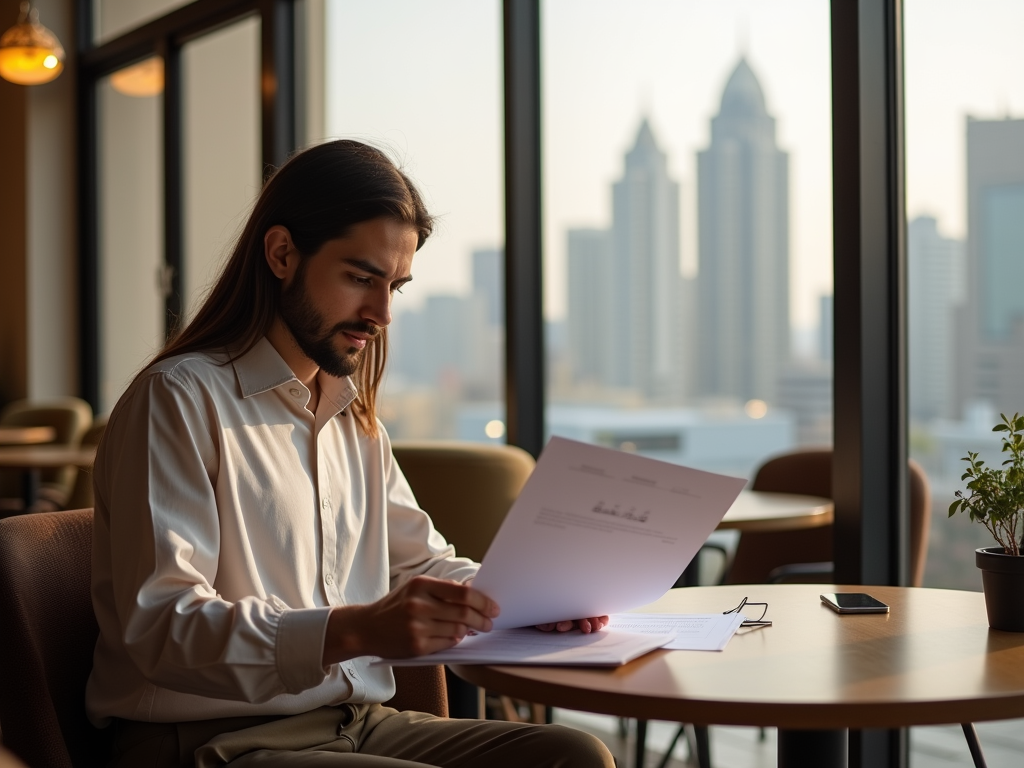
(760, 621)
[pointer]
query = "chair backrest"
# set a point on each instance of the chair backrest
(49, 632)
(810, 472)
(82, 493)
(466, 488)
(70, 417)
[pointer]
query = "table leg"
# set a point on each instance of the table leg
(30, 479)
(813, 749)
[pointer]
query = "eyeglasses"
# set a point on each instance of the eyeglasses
(760, 621)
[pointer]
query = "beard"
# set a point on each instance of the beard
(313, 335)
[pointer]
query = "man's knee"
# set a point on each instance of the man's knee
(566, 747)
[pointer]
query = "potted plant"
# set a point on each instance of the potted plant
(995, 498)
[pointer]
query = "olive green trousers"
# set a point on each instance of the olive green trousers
(354, 736)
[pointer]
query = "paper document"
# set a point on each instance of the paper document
(690, 632)
(596, 532)
(531, 646)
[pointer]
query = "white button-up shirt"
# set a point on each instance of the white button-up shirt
(229, 519)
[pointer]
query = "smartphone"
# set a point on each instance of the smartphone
(853, 602)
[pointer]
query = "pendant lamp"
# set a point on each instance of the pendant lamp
(30, 54)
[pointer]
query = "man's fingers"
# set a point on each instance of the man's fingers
(565, 626)
(453, 592)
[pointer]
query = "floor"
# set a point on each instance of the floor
(931, 747)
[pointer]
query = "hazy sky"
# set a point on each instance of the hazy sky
(424, 78)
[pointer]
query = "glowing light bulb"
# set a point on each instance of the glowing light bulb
(30, 54)
(494, 429)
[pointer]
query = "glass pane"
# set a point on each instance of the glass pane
(130, 234)
(965, 248)
(433, 102)
(688, 219)
(222, 153)
(114, 17)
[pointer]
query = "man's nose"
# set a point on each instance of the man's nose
(377, 309)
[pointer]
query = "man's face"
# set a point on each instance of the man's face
(340, 297)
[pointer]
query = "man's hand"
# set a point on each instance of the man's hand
(422, 616)
(585, 625)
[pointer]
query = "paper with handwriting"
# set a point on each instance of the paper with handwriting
(597, 531)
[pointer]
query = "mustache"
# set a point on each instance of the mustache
(358, 327)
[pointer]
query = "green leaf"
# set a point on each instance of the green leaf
(1000, 428)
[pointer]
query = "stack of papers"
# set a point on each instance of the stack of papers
(689, 632)
(607, 648)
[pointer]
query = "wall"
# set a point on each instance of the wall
(38, 258)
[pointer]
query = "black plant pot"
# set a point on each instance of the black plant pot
(1002, 576)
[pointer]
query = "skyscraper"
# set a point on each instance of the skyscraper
(489, 282)
(743, 242)
(626, 319)
(935, 288)
(645, 326)
(992, 343)
(590, 300)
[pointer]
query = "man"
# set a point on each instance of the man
(255, 540)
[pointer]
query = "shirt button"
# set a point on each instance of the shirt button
(327, 504)
(351, 669)
(329, 579)
(295, 392)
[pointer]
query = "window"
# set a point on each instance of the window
(427, 90)
(688, 242)
(965, 248)
(132, 281)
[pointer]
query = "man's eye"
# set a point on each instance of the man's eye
(396, 289)
(360, 280)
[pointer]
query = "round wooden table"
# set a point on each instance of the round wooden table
(932, 659)
(767, 511)
(27, 435)
(32, 459)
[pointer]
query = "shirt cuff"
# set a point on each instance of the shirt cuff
(300, 648)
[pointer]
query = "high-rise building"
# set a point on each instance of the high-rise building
(590, 314)
(743, 242)
(645, 335)
(627, 297)
(826, 327)
(935, 289)
(991, 363)
(488, 282)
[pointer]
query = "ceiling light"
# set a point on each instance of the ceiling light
(30, 54)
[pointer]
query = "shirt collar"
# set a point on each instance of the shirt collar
(262, 369)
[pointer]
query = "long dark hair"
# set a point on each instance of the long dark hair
(318, 195)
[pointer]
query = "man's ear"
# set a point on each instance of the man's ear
(280, 252)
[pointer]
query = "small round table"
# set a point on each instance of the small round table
(768, 511)
(813, 674)
(32, 459)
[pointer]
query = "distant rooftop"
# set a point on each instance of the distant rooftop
(743, 96)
